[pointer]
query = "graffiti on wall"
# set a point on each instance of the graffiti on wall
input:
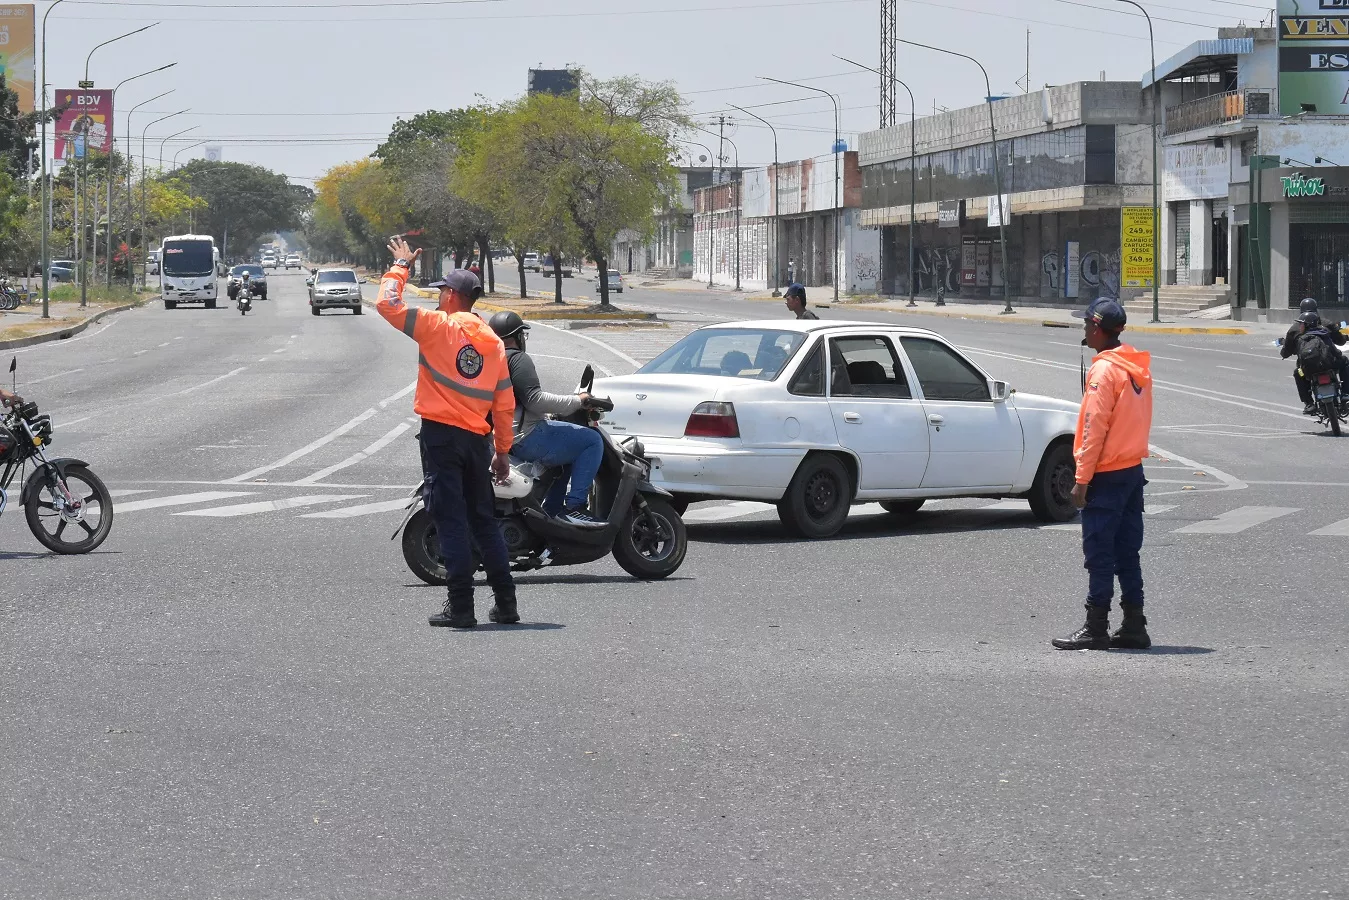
(1100, 270)
(865, 267)
(1051, 267)
(931, 263)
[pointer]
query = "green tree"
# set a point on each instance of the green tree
(242, 203)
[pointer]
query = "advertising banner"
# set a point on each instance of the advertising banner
(213, 153)
(969, 263)
(1314, 57)
(994, 219)
(1136, 234)
(16, 52)
(982, 274)
(1196, 172)
(950, 213)
(83, 112)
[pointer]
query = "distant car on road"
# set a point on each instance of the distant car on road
(548, 265)
(615, 282)
(816, 416)
(62, 270)
(256, 276)
(293, 261)
(531, 262)
(268, 261)
(152, 263)
(335, 289)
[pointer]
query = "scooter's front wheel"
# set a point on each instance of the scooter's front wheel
(421, 549)
(651, 543)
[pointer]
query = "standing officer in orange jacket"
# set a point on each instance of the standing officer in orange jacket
(1109, 448)
(461, 379)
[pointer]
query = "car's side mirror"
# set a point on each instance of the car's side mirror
(1001, 391)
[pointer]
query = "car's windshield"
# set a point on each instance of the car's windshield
(253, 271)
(337, 278)
(189, 258)
(754, 353)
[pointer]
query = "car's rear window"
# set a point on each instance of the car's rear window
(754, 353)
(253, 271)
(337, 278)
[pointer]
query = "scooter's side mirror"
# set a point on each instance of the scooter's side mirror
(587, 378)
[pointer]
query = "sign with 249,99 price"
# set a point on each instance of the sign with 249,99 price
(1135, 241)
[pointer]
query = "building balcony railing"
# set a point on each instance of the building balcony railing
(1217, 109)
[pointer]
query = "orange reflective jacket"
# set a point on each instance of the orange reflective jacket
(1116, 415)
(462, 374)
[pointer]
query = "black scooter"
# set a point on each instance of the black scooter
(641, 527)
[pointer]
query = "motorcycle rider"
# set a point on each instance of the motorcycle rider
(549, 441)
(1309, 325)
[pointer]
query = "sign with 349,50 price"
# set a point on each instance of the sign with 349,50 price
(1137, 226)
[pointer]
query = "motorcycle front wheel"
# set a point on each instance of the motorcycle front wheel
(651, 544)
(421, 549)
(67, 533)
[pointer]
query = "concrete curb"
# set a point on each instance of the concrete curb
(1053, 323)
(61, 334)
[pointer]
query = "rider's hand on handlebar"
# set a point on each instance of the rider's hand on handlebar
(9, 399)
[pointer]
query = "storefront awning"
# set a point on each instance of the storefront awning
(1201, 58)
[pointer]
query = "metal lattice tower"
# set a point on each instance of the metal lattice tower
(889, 31)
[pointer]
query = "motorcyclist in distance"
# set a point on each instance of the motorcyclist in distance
(550, 441)
(1289, 348)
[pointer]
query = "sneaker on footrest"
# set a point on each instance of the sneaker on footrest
(580, 518)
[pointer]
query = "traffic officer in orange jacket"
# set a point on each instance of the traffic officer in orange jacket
(461, 379)
(1109, 449)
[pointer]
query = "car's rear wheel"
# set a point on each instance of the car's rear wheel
(1051, 494)
(901, 507)
(817, 500)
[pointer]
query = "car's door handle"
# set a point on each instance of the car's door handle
(936, 420)
(852, 417)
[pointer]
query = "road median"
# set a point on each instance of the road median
(28, 331)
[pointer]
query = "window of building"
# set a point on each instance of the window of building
(1100, 154)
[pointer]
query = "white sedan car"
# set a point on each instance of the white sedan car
(815, 416)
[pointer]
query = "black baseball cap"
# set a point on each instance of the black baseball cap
(461, 281)
(1105, 312)
(795, 290)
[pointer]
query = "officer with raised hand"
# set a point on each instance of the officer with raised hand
(462, 378)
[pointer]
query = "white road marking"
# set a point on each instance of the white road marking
(1006, 506)
(88, 333)
(204, 384)
(383, 404)
(602, 369)
(1237, 520)
(165, 344)
(1230, 368)
(125, 493)
(1338, 529)
(354, 458)
(50, 377)
(585, 337)
(1158, 510)
(279, 350)
(59, 425)
(1268, 357)
(303, 451)
(178, 500)
(1167, 358)
(735, 510)
(1229, 482)
(262, 506)
(364, 509)
(139, 352)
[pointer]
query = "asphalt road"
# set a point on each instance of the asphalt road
(238, 695)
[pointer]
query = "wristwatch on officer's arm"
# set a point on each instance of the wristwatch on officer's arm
(404, 263)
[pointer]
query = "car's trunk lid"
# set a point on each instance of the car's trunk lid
(654, 405)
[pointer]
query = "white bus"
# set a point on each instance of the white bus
(187, 265)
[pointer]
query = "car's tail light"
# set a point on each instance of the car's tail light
(716, 420)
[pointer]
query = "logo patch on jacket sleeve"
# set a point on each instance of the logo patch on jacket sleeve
(469, 362)
(388, 292)
(1095, 386)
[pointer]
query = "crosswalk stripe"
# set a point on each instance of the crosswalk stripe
(1237, 520)
(1077, 526)
(178, 500)
(123, 492)
(248, 509)
(357, 457)
(735, 510)
(364, 509)
(1158, 510)
(1006, 505)
(1338, 529)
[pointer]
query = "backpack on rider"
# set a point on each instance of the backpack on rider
(1314, 351)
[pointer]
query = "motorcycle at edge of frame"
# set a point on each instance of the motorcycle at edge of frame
(641, 527)
(67, 506)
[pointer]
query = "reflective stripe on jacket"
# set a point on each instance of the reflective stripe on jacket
(462, 374)
(1116, 415)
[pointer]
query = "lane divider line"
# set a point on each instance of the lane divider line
(354, 458)
(303, 451)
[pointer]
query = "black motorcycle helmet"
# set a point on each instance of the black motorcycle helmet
(1310, 319)
(1307, 305)
(509, 324)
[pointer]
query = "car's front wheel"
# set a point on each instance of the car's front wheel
(817, 501)
(1051, 494)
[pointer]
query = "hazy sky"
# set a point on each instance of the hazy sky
(301, 86)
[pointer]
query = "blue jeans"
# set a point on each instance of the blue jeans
(1112, 536)
(462, 504)
(554, 443)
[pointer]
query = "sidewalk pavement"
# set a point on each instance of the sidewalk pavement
(25, 326)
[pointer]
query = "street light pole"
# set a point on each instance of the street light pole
(131, 275)
(997, 170)
(711, 225)
(174, 165)
(1156, 208)
(169, 138)
(46, 188)
(776, 230)
(837, 234)
(913, 164)
(145, 238)
(106, 43)
(112, 156)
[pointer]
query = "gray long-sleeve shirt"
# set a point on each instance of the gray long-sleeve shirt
(532, 402)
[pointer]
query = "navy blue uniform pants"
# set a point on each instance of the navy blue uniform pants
(462, 505)
(1112, 536)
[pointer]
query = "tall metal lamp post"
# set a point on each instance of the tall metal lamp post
(112, 156)
(913, 163)
(997, 170)
(131, 274)
(46, 188)
(145, 237)
(711, 220)
(837, 147)
(1156, 208)
(777, 233)
(735, 198)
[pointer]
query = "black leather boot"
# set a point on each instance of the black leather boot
(1132, 633)
(1094, 635)
(505, 612)
(458, 613)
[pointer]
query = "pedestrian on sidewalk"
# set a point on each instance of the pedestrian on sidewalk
(795, 299)
(462, 379)
(1109, 448)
